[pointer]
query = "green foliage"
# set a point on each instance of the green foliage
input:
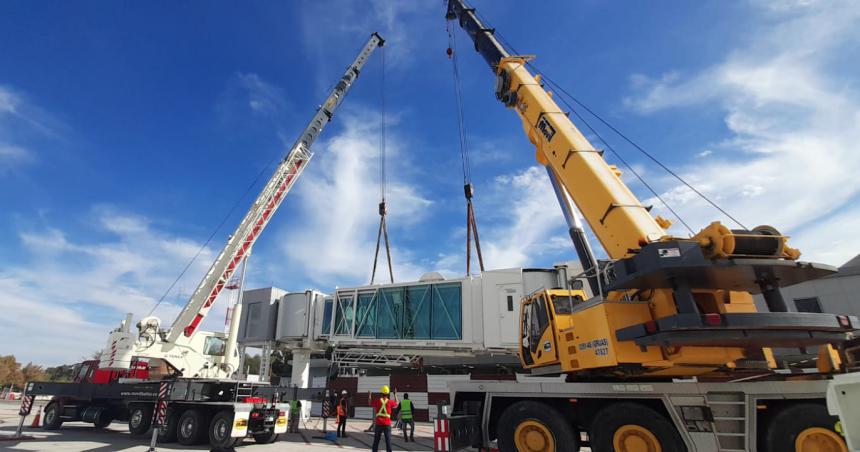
(12, 373)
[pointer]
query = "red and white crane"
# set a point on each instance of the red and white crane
(185, 348)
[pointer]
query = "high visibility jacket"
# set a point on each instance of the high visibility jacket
(383, 407)
(340, 411)
(406, 410)
(294, 406)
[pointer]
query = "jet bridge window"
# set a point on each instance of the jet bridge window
(416, 312)
(344, 316)
(366, 315)
(447, 317)
(327, 311)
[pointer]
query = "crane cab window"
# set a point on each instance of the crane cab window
(538, 321)
(564, 304)
(214, 346)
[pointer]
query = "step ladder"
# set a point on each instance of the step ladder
(731, 425)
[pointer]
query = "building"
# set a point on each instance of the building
(838, 293)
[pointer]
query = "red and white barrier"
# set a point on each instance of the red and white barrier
(441, 436)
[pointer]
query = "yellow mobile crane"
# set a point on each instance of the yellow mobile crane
(664, 307)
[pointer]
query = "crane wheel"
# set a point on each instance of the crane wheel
(631, 427)
(51, 418)
(139, 419)
(167, 431)
(530, 426)
(191, 427)
(803, 427)
(220, 428)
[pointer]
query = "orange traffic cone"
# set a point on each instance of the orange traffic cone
(38, 419)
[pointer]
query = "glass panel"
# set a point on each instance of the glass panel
(389, 313)
(366, 315)
(807, 304)
(344, 316)
(326, 325)
(214, 346)
(447, 315)
(417, 312)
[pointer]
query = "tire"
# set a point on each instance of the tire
(191, 427)
(103, 419)
(535, 427)
(167, 432)
(626, 426)
(265, 438)
(51, 417)
(800, 423)
(139, 419)
(219, 430)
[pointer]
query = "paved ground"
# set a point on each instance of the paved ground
(78, 436)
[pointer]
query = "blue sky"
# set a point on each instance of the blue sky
(127, 131)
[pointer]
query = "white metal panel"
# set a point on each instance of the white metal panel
(363, 412)
(439, 383)
(498, 322)
(259, 315)
(372, 384)
(434, 411)
(292, 316)
(318, 382)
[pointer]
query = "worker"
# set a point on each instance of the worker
(405, 410)
(406, 420)
(342, 414)
(382, 407)
(295, 414)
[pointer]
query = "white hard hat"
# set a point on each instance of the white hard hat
(343, 392)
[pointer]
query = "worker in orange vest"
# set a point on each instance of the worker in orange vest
(342, 414)
(382, 409)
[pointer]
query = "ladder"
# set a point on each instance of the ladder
(730, 420)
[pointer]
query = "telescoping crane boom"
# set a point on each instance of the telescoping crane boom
(669, 306)
(181, 347)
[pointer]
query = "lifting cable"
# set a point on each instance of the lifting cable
(615, 130)
(229, 214)
(383, 208)
(468, 188)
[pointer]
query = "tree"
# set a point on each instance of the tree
(252, 364)
(33, 372)
(61, 373)
(10, 371)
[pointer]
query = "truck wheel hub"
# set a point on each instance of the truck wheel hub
(634, 438)
(817, 439)
(136, 418)
(187, 428)
(532, 436)
(221, 429)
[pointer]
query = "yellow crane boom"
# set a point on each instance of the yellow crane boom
(672, 306)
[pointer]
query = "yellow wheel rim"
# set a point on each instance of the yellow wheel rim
(817, 439)
(635, 438)
(532, 436)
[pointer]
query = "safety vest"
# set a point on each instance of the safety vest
(406, 410)
(340, 411)
(294, 406)
(383, 408)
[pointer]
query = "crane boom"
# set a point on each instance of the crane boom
(242, 240)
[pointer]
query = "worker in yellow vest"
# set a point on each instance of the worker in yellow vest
(405, 410)
(382, 409)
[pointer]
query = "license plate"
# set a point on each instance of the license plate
(270, 418)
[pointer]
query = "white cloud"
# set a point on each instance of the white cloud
(13, 157)
(80, 289)
(338, 197)
(520, 219)
(791, 158)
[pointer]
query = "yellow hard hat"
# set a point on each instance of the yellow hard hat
(384, 389)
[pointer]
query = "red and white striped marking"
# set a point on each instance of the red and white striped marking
(26, 405)
(161, 408)
(441, 436)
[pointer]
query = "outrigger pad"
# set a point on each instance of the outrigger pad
(661, 265)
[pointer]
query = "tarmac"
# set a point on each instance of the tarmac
(79, 436)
